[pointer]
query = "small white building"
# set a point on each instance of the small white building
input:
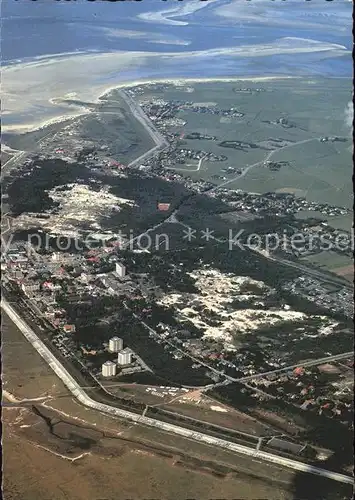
(109, 369)
(124, 358)
(115, 344)
(120, 270)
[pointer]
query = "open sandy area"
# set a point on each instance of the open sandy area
(34, 92)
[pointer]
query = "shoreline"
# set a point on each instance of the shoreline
(179, 81)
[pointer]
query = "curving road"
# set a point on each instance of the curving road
(267, 158)
(80, 394)
(311, 362)
(161, 143)
(197, 169)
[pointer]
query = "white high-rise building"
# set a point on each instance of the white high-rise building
(115, 344)
(124, 358)
(109, 369)
(120, 270)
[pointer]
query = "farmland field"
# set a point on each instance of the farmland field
(311, 109)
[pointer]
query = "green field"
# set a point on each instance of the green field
(320, 171)
(343, 222)
(329, 260)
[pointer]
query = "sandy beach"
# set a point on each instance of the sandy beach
(34, 91)
(73, 111)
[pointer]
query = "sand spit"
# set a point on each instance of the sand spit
(76, 111)
(94, 97)
(29, 86)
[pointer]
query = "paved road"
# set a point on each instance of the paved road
(171, 218)
(267, 158)
(6, 235)
(14, 161)
(195, 360)
(315, 273)
(197, 169)
(158, 138)
(80, 394)
(311, 362)
(333, 280)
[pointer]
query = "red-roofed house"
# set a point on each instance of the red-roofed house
(69, 328)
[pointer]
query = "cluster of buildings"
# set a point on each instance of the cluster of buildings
(181, 155)
(339, 302)
(248, 90)
(44, 278)
(137, 90)
(281, 121)
(209, 352)
(333, 139)
(320, 237)
(118, 282)
(158, 109)
(15, 259)
(124, 357)
(228, 170)
(80, 276)
(211, 110)
(159, 164)
(200, 137)
(275, 203)
(275, 166)
(326, 389)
